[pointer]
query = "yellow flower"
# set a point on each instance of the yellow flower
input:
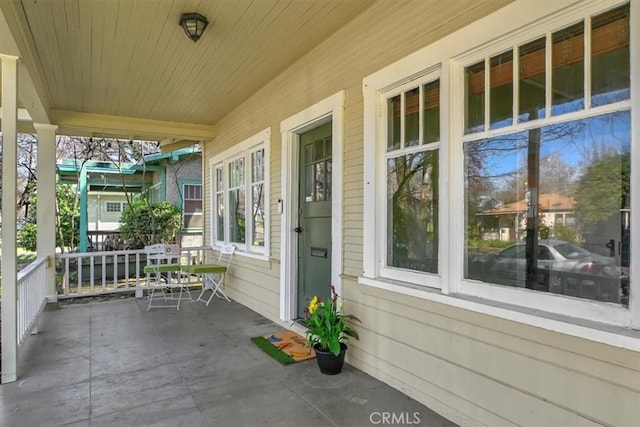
(313, 305)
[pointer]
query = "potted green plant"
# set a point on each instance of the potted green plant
(327, 332)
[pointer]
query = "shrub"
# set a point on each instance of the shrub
(143, 223)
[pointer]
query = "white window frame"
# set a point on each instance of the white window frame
(385, 271)
(250, 184)
(215, 191)
(261, 140)
(184, 203)
(513, 25)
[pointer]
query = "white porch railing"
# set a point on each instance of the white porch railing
(100, 273)
(31, 296)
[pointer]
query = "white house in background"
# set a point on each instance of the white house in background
(175, 177)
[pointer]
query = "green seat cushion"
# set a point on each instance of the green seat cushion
(204, 268)
(162, 268)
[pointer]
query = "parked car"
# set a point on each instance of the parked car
(555, 257)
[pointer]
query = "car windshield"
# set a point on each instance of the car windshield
(571, 251)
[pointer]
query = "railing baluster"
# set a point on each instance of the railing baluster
(137, 270)
(66, 279)
(126, 271)
(31, 296)
(104, 273)
(80, 275)
(193, 255)
(91, 272)
(115, 271)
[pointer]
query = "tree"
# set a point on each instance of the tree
(83, 150)
(27, 178)
(67, 211)
(603, 190)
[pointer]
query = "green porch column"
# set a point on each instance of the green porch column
(9, 235)
(163, 184)
(84, 223)
(46, 203)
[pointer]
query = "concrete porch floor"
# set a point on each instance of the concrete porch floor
(113, 363)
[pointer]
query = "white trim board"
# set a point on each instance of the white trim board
(510, 26)
(329, 109)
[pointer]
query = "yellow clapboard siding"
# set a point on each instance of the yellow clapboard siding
(467, 365)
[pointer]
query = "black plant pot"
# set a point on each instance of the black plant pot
(329, 363)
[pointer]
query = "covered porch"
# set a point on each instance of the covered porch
(113, 363)
(118, 71)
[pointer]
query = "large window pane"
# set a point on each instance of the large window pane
(237, 201)
(257, 198)
(193, 221)
(474, 96)
(501, 99)
(219, 188)
(257, 216)
(549, 209)
(567, 77)
(220, 216)
(610, 63)
(257, 166)
(412, 212)
(532, 74)
(237, 215)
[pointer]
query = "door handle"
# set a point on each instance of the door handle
(298, 229)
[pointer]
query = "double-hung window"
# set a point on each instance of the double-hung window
(548, 136)
(498, 164)
(411, 236)
(239, 193)
(192, 206)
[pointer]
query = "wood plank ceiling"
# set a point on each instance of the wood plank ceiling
(131, 59)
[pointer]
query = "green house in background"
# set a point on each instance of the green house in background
(105, 189)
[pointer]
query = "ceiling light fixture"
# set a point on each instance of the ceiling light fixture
(193, 25)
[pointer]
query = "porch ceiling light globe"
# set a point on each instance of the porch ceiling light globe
(193, 25)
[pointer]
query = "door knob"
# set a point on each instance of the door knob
(298, 229)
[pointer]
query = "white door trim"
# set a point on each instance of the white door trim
(329, 109)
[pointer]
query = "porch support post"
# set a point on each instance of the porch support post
(9, 202)
(84, 223)
(46, 203)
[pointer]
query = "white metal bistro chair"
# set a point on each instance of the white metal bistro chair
(213, 274)
(163, 272)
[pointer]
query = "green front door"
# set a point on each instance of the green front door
(314, 221)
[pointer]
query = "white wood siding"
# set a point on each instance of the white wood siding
(474, 369)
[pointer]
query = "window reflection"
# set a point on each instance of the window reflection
(610, 60)
(431, 119)
(532, 81)
(474, 88)
(237, 208)
(412, 211)
(548, 209)
(412, 117)
(219, 204)
(258, 215)
(501, 77)
(567, 77)
(393, 131)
